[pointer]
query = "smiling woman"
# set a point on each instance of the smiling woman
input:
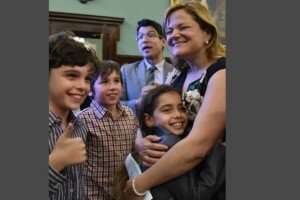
(193, 39)
(218, 11)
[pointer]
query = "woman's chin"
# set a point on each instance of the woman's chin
(178, 54)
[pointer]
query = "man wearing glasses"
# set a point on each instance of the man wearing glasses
(139, 77)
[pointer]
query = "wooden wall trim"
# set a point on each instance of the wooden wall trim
(108, 26)
(59, 16)
(126, 59)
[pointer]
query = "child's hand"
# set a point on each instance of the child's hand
(150, 151)
(67, 150)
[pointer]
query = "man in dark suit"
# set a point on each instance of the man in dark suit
(141, 76)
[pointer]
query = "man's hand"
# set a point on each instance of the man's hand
(67, 150)
(145, 91)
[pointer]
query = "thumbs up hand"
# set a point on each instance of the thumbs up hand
(67, 150)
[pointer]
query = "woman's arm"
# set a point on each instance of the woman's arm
(186, 154)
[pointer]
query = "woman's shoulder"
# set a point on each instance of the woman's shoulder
(219, 64)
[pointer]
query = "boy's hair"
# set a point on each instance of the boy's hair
(149, 22)
(149, 103)
(106, 67)
(64, 50)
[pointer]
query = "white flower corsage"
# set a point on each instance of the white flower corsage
(192, 99)
(172, 75)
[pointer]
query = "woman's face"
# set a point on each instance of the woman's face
(169, 113)
(185, 38)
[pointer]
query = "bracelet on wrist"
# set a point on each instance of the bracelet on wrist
(134, 189)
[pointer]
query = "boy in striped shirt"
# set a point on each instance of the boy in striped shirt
(70, 68)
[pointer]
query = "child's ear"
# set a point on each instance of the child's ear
(148, 120)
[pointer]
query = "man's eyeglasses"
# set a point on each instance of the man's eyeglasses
(150, 35)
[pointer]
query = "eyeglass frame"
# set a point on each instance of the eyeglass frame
(150, 35)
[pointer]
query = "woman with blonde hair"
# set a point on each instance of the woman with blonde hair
(200, 73)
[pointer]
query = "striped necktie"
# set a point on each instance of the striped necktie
(150, 75)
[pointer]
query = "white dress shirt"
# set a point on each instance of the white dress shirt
(159, 73)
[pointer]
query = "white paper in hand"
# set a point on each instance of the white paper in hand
(133, 171)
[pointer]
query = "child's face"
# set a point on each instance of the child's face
(108, 90)
(169, 113)
(68, 87)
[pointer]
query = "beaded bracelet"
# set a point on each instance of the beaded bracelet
(135, 191)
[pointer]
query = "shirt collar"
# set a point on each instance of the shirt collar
(55, 119)
(159, 65)
(102, 111)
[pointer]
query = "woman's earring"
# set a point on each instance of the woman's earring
(206, 42)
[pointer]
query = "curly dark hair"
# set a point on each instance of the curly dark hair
(64, 50)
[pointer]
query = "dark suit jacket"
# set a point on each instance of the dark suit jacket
(134, 79)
